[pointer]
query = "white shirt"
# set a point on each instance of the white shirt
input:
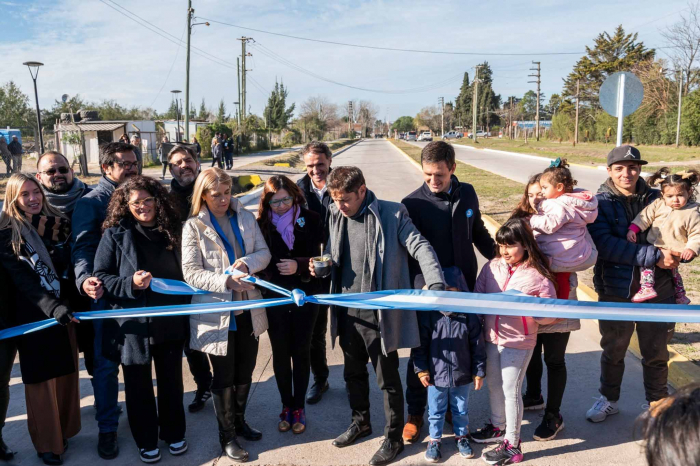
(319, 192)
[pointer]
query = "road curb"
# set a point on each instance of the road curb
(681, 371)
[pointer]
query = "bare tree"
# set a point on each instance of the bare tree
(366, 115)
(317, 115)
(684, 38)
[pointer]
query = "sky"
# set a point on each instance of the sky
(90, 48)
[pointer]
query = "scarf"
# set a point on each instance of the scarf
(285, 225)
(39, 260)
(52, 230)
(186, 191)
(65, 202)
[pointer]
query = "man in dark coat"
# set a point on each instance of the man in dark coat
(15, 149)
(118, 162)
(184, 166)
(616, 279)
(317, 158)
(446, 212)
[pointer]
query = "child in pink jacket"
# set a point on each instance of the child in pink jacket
(510, 340)
(560, 225)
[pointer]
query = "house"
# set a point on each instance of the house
(94, 133)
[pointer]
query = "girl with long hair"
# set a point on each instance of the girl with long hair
(33, 237)
(520, 265)
(531, 198)
(294, 235)
(141, 239)
(221, 235)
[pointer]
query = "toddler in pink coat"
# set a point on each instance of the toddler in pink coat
(510, 340)
(560, 225)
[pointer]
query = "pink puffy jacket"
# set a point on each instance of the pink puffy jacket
(510, 331)
(560, 228)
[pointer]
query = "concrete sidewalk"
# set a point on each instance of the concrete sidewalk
(391, 177)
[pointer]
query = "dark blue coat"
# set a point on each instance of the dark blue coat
(614, 272)
(451, 348)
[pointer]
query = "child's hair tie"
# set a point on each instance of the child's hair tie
(555, 163)
(684, 174)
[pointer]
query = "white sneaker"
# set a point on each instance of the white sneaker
(601, 409)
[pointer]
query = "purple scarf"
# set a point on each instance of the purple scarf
(285, 225)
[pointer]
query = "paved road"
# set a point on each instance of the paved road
(581, 443)
(521, 167)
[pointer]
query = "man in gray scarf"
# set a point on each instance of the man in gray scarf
(62, 188)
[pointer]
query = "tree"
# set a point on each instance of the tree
(404, 124)
(366, 115)
(171, 114)
(221, 116)
(317, 116)
(276, 110)
(203, 112)
(430, 117)
(463, 103)
(610, 54)
(14, 107)
(683, 37)
(74, 104)
(690, 126)
(488, 102)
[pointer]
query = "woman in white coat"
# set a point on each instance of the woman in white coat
(218, 234)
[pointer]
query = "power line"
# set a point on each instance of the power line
(391, 49)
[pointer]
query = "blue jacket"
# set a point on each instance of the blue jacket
(614, 272)
(451, 348)
(88, 216)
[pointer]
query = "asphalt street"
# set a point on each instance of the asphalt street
(391, 176)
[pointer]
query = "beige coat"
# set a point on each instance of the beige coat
(671, 229)
(204, 261)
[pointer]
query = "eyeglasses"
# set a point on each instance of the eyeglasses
(149, 201)
(127, 165)
(285, 200)
(52, 171)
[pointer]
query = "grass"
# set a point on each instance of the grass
(497, 198)
(587, 153)
(497, 195)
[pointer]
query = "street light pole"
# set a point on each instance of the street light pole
(34, 74)
(187, 72)
(177, 114)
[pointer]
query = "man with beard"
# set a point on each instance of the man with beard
(184, 167)
(118, 163)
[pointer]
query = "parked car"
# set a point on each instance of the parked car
(411, 136)
(452, 135)
(425, 136)
(480, 134)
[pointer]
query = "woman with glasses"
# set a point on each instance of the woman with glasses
(294, 235)
(141, 240)
(221, 234)
(33, 262)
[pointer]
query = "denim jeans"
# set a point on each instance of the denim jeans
(458, 400)
(105, 385)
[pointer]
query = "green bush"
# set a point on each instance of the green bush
(290, 138)
(204, 135)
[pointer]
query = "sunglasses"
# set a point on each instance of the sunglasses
(127, 165)
(52, 171)
(284, 200)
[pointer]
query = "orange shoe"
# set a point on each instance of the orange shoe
(411, 430)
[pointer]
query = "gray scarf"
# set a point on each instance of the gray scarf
(65, 202)
(39, 260)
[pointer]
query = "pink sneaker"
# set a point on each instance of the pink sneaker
(644, 294)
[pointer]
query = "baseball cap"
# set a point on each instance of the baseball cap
(625, 153)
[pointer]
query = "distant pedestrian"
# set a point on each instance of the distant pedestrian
(16, 150)
(6, 154)
(228, 153)
(124, 138)
(198, 149)
(136, 142)
(520, 266)
(163, 156)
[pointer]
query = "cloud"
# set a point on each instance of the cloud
(92, 50)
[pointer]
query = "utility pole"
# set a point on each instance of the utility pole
(680, 106)
(476, 93)
(242, 100)
(537, 115)
(238, 75)
(510, 119)
(578, 98)
(190, 12)
(350, 119)
(441, 101)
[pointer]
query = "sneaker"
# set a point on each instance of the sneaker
(601, 409)
(464, 448)
(551, 425)
(152, 456)
(530, 403)
(285, 420)
(432, 454)
(504, 453)
(489, 434)
(298, 421)
(178, 448)
(200, 399)
(645, 293)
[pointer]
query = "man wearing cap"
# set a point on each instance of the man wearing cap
(616, 279)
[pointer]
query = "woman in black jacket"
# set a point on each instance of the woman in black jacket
(141, 240)
(32, 239)
(294, 235)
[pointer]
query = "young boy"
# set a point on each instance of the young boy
(452, 354)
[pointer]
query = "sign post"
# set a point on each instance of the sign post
(620, 95)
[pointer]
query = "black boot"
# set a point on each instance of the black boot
(242, 427)
(5, 453)
(225, 409)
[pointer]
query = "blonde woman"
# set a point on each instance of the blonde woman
(221, 233)
(32, 239)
